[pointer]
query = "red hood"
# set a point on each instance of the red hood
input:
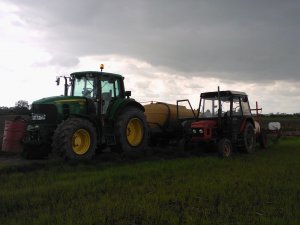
(204, 123)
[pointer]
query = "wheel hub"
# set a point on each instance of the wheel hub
(81, 141)
(134, 132)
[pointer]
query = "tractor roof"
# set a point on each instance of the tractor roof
(95, 73)
(222, 94)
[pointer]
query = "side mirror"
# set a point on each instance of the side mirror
(127, 94)
(57, 80)
(245, 99)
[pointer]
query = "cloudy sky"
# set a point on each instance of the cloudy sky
(166, 49)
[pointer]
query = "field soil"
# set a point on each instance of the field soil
(260, 188)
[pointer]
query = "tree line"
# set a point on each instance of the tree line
(21, 108)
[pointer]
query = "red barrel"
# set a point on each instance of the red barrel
(14, 132)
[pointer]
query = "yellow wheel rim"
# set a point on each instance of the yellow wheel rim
(81, 141)
(135, 132)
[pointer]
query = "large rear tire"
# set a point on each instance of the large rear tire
(249, 138)
(130, 131)
(75, 139)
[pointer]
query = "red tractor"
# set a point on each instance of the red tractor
(224, 119)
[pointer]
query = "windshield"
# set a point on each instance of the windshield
(209, 107)
(85, 86)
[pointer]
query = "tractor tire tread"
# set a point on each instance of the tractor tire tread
(62, 135)
(121, 143)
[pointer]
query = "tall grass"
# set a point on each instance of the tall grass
(262, 188)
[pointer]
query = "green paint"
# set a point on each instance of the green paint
(77, 105)
(118, 105)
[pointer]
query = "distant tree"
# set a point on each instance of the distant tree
(22, 104)
(4, 110)
(21, 107)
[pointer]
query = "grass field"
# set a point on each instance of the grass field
(262, 188)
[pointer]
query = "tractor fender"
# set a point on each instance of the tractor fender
(245, 121)
(120, 105)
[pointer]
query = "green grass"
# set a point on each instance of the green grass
(262, 188)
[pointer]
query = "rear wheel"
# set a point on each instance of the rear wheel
(263, 139)
(224, 148)
(249, 139)
(130, 131)
(75, 138)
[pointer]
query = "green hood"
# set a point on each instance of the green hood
(62, 106)
(60, 100)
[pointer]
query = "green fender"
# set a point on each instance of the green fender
(120, 104)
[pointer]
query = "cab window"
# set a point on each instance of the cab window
(111, 86)
(85, 86)
(236, 107)
(110, 89)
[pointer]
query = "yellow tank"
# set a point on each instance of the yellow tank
(164, 114)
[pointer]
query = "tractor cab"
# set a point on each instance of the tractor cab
(220, 114)
(98, 87)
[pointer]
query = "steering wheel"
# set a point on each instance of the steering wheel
(87, 92)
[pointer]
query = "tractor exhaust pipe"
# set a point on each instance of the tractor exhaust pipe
(66, 85)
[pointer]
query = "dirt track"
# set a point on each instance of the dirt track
(8, 159)
(14, 159)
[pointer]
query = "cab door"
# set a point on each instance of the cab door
(110, 88)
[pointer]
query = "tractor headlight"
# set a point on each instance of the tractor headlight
(194, 131)
(201, 131)
(38, 116)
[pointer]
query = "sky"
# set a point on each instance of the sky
(166, 49)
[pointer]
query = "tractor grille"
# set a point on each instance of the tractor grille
(48, 110)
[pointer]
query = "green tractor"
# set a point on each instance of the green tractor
(97, 113)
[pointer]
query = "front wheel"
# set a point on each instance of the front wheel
(75, 138)
(224, 148)
(130, 131)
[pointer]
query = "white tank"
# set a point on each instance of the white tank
(274, 126)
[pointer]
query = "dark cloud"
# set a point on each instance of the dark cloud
(254, 40)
